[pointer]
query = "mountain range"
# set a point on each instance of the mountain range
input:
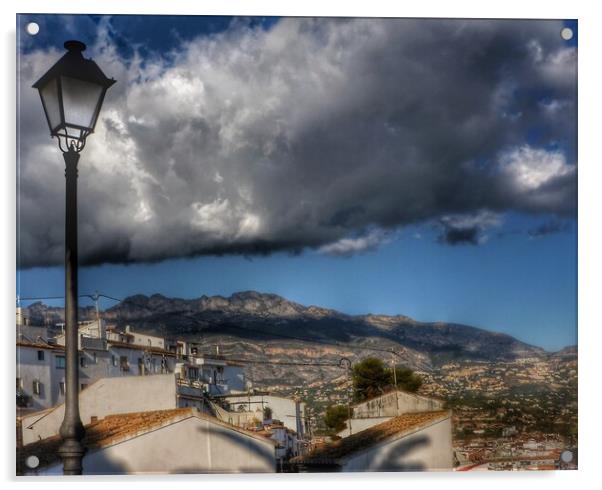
(261, 320)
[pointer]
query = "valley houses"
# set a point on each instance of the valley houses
(129, 379)
(106, 353)
(152, 404)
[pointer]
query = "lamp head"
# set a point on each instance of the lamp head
(72, 92)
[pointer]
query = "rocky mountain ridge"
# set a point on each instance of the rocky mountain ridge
(254, 317)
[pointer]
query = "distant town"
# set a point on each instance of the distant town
(505, 415)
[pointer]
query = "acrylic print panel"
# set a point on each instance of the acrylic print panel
(295, 244)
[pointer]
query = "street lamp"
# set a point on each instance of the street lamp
(72, 92)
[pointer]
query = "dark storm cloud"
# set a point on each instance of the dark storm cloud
(549, 228)
(328, 134)
(456, 236)
(467, 229)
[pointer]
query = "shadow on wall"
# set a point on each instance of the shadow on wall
(395, 459)
(266, 454)
(100, 462)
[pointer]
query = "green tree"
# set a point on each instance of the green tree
(407, 379)
(336, 417)
(370, 378)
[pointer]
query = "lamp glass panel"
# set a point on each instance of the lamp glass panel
(80, 99)
(50, 97)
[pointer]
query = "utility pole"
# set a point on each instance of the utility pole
(345, 363)
(395, 382)
(95, 298)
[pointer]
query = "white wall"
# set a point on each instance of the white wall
(105, 397)
(148, 340)
(387, 406)
(97, 364)
(191, 445)
(29, 368)
(358, 425)
(287, 410)
(153, 361)
(428, 449)
(239, 419)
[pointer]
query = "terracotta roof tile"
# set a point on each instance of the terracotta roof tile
(101, 433)
(38, 345)
(113, 429)
(151, 349)
(405, 423)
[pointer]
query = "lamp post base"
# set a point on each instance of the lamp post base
(72, 452)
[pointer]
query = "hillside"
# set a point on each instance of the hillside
(267, 327)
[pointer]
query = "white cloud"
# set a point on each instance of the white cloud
(531, 168)
(350, 246)
(483, 219)
(253, 141)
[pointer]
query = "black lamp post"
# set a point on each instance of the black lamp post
(72, 92)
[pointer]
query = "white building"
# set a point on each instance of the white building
(166, 441)
(420, 441)
(289, 411)
(382, 408)
(40, 373)
(287, 443)
(218, 376)
(103, 353)
(110, 396)
(130, 337)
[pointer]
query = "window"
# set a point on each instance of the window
(40, 355)
(94, 360)
(114, 361)
(37, 387)
(60, 362)
(82, 361)
(62, 388)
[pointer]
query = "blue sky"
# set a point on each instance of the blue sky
(506, 263)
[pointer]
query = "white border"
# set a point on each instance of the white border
(590, 243)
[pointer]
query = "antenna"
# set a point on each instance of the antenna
(95, 297)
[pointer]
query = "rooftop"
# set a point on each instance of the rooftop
(151, 349)
(391, 429)
(114, 429)
(23, 341)
(391, 391)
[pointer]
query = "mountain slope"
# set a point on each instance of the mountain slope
(256, 317)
